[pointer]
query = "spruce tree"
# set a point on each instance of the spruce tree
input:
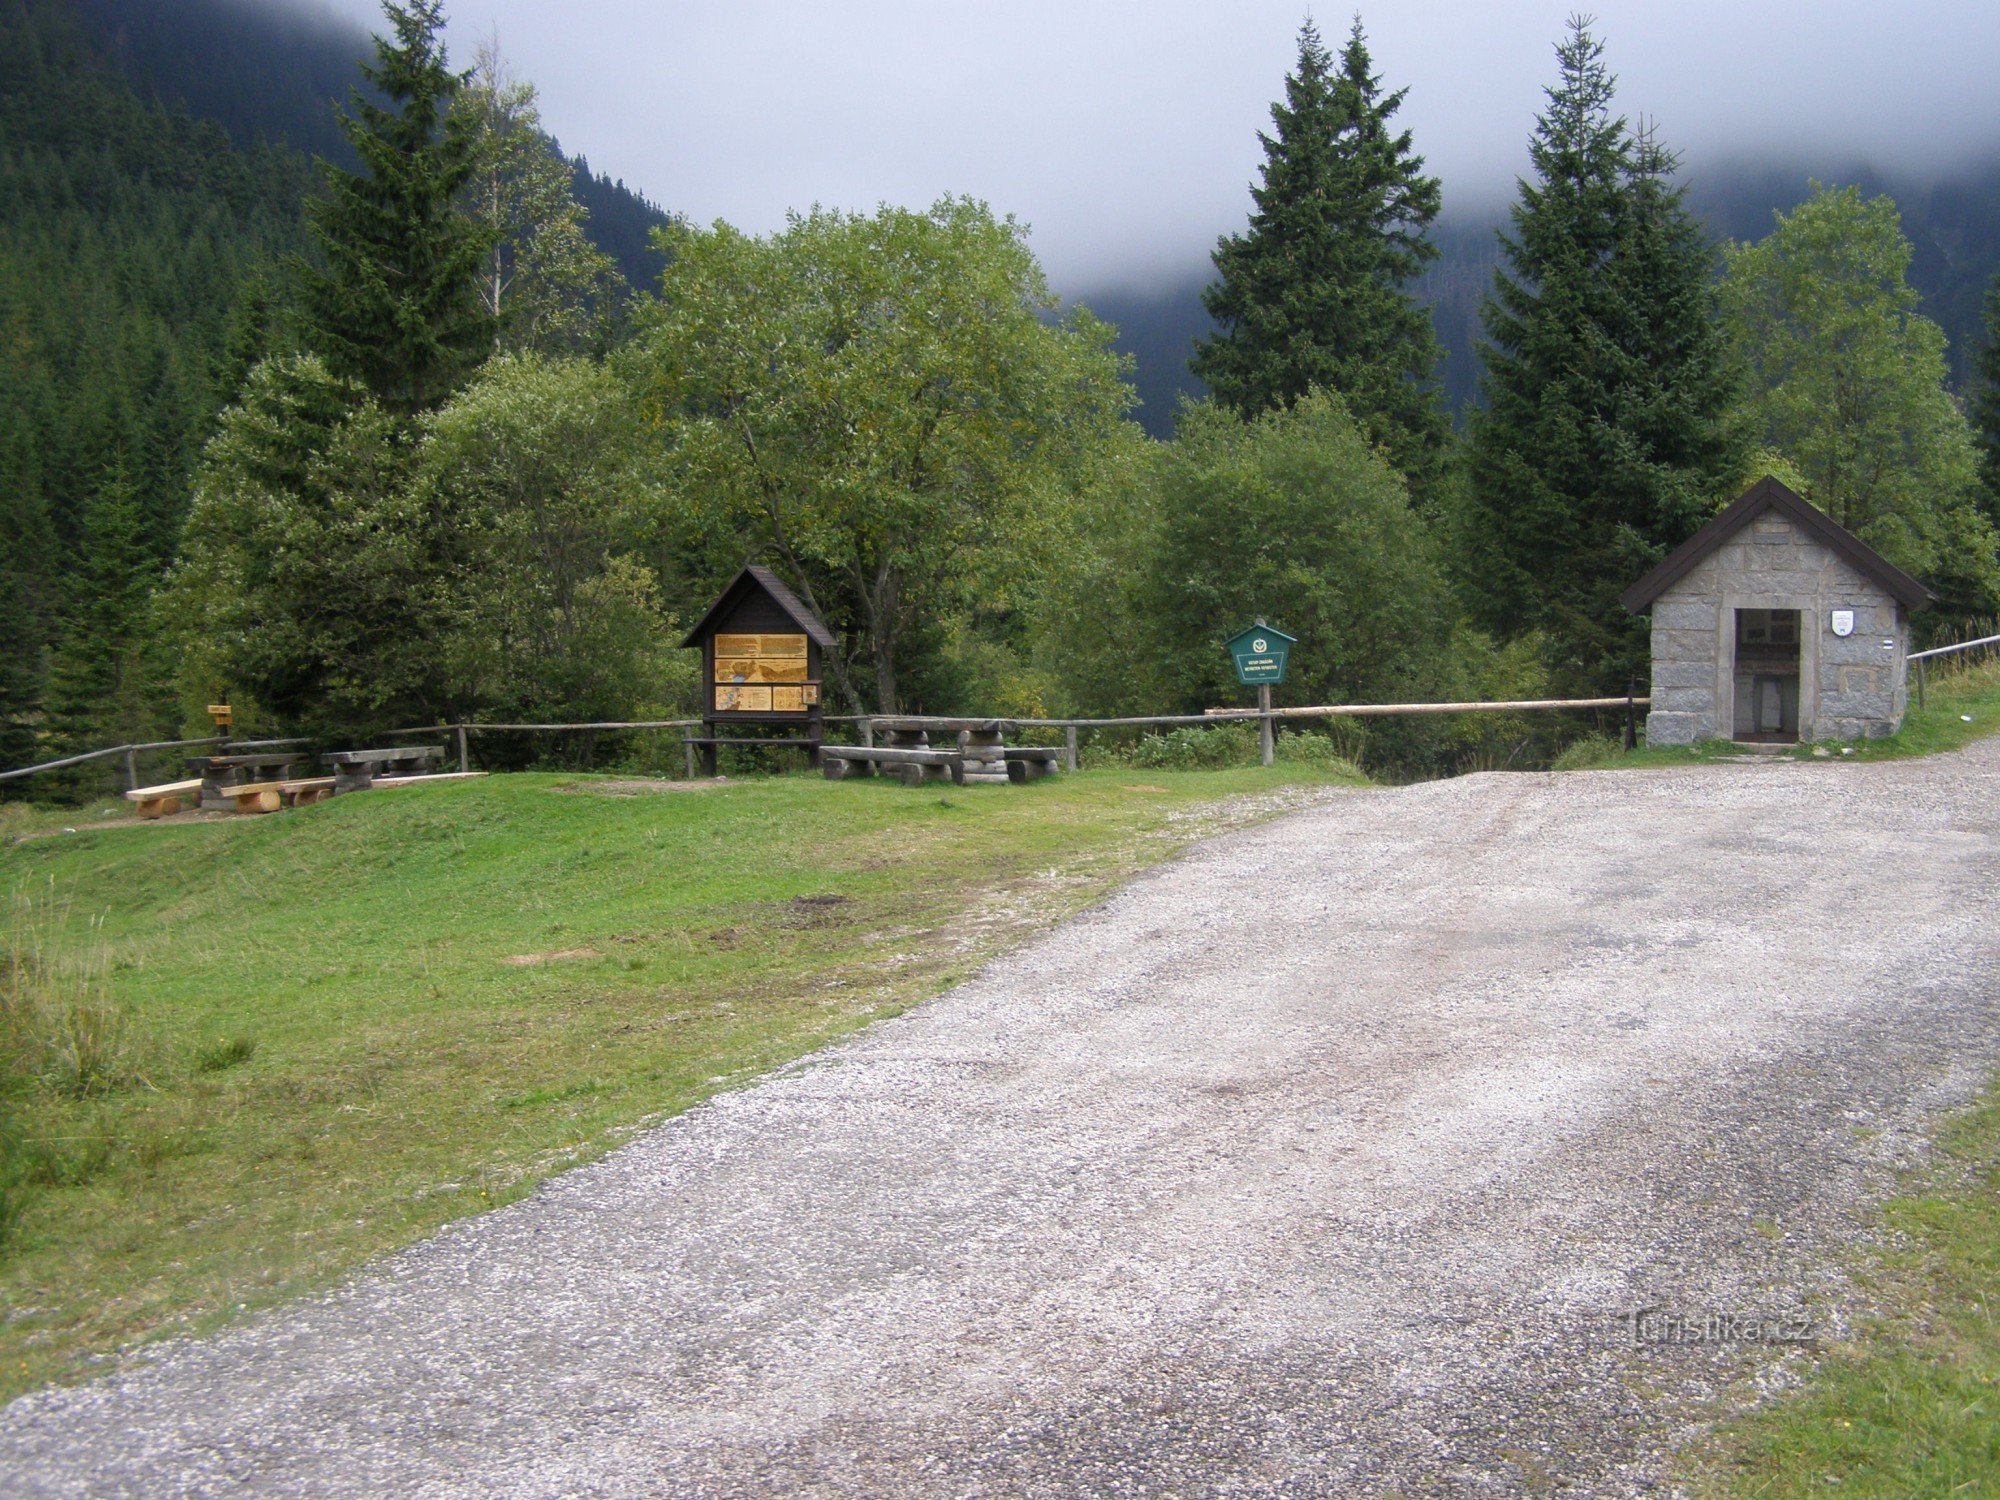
(395, 305)
(98, 690)
(1607, 433)
(27, 573)
(1315, 293)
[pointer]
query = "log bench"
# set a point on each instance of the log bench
(160, 801)
(357, 770)
(914, 766)
(269, 796)
(1030, 762)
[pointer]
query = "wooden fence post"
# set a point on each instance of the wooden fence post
(131, 769)
(1069, 748)
(464, 760)
(687, 749)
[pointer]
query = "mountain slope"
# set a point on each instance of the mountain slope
(279, 73)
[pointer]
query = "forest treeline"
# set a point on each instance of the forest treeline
(435, 457)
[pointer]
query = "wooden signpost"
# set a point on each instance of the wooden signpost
(761, 655)
(1259, 652)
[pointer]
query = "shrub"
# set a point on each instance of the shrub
(1588, 754)
(1196, 747)
(1312, 748)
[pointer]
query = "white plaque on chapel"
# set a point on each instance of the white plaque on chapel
(1843, 622)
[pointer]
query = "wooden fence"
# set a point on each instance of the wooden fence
(1072, 729)
(1921, 659)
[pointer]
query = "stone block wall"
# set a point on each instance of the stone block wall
(1849, 688)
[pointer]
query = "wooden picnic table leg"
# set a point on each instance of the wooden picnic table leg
(985, 752)
(915, 739)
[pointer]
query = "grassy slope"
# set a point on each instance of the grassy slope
(1912, 1406)
(405, 1072)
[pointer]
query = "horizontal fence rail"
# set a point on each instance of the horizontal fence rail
(106, 754)
(1985, 640)
(1320, 711)
(867, 724)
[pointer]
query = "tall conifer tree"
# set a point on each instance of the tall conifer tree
(396, 303)
(98, 689)
(1315, 293)
(1608, 431)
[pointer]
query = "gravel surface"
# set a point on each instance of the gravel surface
(1329, 1159)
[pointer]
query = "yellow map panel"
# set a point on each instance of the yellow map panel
(788, 700)
(760, 669)
(759, 645)
(744, 700)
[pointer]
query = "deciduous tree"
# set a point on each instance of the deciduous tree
(879, 406)
(557, 616)
(543, 284)
(1848, 380)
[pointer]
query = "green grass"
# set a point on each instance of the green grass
(1911, 1407)
(1961, 705)
(339, 1027)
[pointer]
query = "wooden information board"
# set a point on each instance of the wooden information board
(762, 674)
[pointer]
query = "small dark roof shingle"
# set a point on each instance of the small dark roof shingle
(762, 578)
(1765, 495)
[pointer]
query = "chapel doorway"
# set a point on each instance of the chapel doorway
(1767, 676)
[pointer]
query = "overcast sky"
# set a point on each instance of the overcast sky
(1124, 133)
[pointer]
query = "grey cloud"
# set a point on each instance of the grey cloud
(1125, 133)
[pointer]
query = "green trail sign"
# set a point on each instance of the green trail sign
(1259, 653)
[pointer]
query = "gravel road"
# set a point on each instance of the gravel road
(1331, 1158)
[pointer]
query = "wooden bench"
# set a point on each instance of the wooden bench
(357, 770)
(305, 791)
(1030, 762)
(256, 796)
(269, 796)
(160, 801)
(839, 762)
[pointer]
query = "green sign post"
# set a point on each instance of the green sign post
(1259, 652)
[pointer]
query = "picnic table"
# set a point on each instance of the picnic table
(357, 770)
(219, 773)
(978, 753)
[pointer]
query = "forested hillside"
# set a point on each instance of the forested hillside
(276, 73)
(154, 168)
(131, 237)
